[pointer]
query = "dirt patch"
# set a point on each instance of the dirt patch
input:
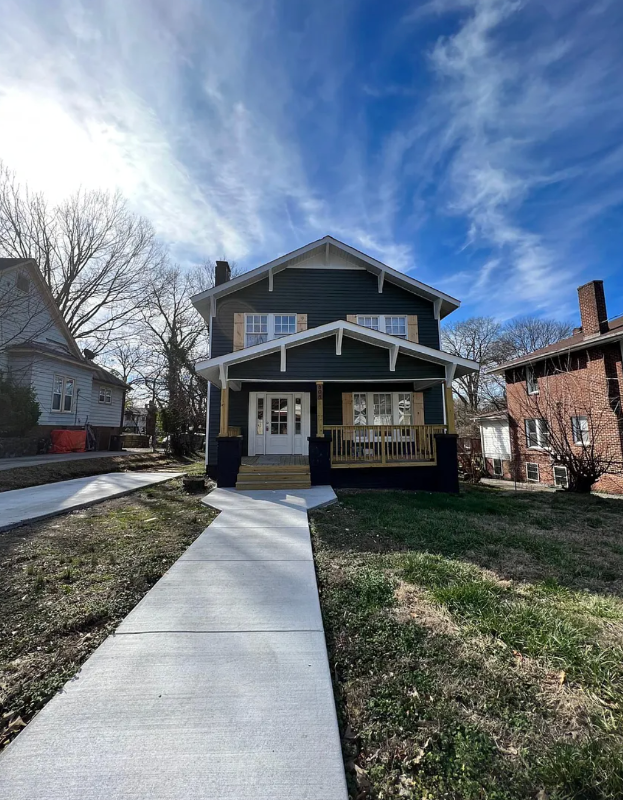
(67, 582)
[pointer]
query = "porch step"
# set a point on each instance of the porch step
(273, 477)
(255, 469)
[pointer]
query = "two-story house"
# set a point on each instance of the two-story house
(325, 364)
(564, 402)
(37, 349)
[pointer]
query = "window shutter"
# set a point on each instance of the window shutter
(301, 322)
(412, 329)
(351, 318)
(238, 331)
(347, 408)
(418, 408)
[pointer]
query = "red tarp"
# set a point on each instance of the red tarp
(68, 441)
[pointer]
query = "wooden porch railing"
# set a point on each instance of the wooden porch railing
(383, 444)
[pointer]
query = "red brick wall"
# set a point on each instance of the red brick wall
(589, 384)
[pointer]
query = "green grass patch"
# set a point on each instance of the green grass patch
(476, 642)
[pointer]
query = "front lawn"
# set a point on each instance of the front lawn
(67, 582)
(476, 642)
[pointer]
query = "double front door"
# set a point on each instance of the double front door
(278, 423)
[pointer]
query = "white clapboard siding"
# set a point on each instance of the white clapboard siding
(106, 414)
(496, 439)
(43, 371)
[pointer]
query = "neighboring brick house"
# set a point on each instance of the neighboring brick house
(569, 393)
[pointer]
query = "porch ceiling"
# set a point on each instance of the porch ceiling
(216, 369)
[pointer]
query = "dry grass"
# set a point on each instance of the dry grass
(67, 582)
(476, 643)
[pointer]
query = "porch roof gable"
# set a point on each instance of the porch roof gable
(215, 369)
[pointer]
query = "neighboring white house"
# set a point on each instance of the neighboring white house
(38, 350)
(496, 443)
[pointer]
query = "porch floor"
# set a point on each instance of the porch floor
(275, 461)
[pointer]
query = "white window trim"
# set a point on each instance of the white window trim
(560, 466)
(395, 410)
(107, 396)
(538, 472)
(579, 442)
(531, 378)
(270, 324)
(499, 474)
(382, 323)
(62, 409)
(539, 434)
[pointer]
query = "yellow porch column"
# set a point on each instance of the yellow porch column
(450, 410)
(319, 408)
(224, 429)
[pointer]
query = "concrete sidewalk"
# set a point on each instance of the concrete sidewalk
(56, 458)
(216, 686)
(21, 506)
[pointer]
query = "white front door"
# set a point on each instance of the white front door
(278, 423)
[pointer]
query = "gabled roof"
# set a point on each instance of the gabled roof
(326, 247)
(579, 341)
(215, 369)
(74, 353)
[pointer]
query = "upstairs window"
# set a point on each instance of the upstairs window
(285, 324)
(532, 382)
(256, 329)
(579, 429)
(395, 326)
(22, 283)
(63, 393)
(537, 433)
(105, 395)
(260, 328)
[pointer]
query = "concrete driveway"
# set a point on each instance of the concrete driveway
(215, 687)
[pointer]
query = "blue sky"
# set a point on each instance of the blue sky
(476, 144)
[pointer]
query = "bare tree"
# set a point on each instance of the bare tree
(92, 250)
(479, 339)
(570, 416)
(524, 335)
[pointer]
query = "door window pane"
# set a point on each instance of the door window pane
(360, 408)
(259, 425)
(279, 416)
(397, 326)
(404, 409)
(369, 322)
(382, 409)
(256, 329)
(298, 412)
(69, 394)
(285, 324)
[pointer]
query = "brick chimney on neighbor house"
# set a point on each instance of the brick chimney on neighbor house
(593, 308)
(222, 273)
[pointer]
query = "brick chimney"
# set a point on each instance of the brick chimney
(593, 308)
(222, 273)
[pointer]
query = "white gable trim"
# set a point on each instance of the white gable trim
(215, 369)
(446, 303)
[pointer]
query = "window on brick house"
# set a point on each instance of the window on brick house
(497, 467)
(537, 433)
(579, 429)
(561, 477)
(532, 472)
(532, 382)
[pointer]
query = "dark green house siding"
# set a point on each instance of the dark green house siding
(317, 361)
(325, 296)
